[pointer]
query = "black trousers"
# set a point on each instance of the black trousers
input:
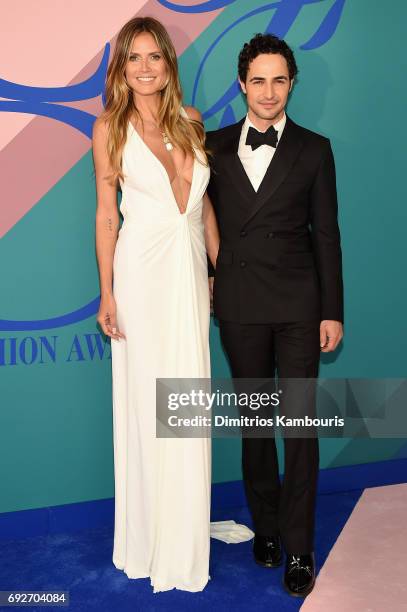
(293, 351)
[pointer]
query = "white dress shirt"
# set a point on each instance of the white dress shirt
(256, 162)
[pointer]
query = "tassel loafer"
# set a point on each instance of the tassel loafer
(299, 575)
(267, 550)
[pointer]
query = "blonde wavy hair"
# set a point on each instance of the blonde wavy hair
(184, 133)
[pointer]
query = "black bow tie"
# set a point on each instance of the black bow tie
(255, 138)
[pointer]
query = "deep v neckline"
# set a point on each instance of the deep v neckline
(161, 165)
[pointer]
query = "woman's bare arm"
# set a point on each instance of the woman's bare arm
(211, 230)
(208, 216)
(107, 226)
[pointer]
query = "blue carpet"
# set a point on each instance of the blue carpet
(81, 563)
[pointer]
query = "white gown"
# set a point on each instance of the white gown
(160, 285)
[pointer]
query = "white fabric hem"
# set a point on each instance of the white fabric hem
(231, 532)
(159, 587)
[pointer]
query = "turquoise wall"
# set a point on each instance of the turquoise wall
(55, 417)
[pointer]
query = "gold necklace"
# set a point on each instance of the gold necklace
(168, 144)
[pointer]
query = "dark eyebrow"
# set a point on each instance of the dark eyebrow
(151, 53)
(256, 78)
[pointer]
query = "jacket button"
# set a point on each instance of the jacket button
(243, 234)
(242, 264)
(269, 235)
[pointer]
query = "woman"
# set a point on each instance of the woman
(154, 303)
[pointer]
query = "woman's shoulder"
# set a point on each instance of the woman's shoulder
(193, 113)
(100, 128)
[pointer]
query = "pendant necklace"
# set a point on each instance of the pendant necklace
(168, 144)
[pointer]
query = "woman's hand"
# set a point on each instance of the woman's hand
(107, 318)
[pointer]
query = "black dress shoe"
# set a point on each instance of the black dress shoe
(267, 550)
(299, 576)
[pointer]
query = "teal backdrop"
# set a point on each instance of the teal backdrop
(55, 382)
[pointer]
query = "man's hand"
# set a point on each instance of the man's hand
(210, 281)
(330, 333)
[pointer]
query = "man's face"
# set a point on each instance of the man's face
(267, 86)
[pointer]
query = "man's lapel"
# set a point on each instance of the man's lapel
(235, 166)
(284, 157)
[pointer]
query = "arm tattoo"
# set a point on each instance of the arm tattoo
(109, 224)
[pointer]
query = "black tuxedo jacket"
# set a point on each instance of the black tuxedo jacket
(280, 256)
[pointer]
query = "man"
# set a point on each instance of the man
(278, 292)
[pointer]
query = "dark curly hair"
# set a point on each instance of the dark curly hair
(265, 43)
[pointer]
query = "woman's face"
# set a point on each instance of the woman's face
(146, 71)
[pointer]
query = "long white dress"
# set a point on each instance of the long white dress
(162, 485)
(160, 285)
